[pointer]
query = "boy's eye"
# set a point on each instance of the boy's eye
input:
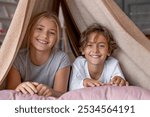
(89, 45)
(101, 45)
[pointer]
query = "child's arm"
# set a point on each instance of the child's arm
(13, 79)
(91, 83)
(76, 77)
(27, 87)
(60, 84)
(118, 77)
(118, 81)
(14, 82)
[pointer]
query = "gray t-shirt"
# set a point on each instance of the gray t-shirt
(45, 73)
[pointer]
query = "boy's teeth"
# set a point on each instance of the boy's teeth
(95, 56)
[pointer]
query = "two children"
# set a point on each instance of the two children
(96, 67)
(44, 70)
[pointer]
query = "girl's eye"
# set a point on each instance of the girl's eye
(51, 33)
(38, 28)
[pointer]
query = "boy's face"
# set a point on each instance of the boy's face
(96, 49)
(44, 34)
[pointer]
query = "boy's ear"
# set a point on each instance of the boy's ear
(108, 54)
(82, 53)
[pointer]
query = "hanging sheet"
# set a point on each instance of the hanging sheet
(134, 47)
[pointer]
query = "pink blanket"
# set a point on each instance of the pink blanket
(91, 93)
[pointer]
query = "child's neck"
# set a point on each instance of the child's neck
(95, 70)
(38, 57)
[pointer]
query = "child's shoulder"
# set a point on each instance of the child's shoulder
(79, 60)
(59, 53)
(111, 60)
(23, 52)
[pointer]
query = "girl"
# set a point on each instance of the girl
(41, 68)
(96, 67)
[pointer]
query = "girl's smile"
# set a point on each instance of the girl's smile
(44, 35)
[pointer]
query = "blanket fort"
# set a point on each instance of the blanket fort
(78, 15)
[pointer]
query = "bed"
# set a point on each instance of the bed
(91, 93)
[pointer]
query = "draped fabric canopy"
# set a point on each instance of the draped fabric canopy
(134, 48)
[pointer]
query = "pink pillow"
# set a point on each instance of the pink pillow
(14, 95)
(91, 93)
(108, 93)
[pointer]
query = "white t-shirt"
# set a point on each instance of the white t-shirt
(80, 72)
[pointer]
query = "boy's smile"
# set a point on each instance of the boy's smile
(96, 49)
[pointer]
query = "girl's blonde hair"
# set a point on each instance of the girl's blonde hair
(36, 18)
(100, 30)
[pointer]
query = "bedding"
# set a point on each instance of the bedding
(14, 95)
(91, 93)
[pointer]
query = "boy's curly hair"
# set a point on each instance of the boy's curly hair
(101, 30)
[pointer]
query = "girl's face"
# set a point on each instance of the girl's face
(96, 49)
(44, 34)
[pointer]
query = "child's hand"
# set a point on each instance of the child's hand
(44, 90)
(27, 87)
(118, 81)
(91, 83)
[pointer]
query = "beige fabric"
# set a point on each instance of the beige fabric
(134, 47)
(15, 35)
(13, 38)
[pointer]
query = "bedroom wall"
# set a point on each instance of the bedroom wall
(139, 12)
(7, 9)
